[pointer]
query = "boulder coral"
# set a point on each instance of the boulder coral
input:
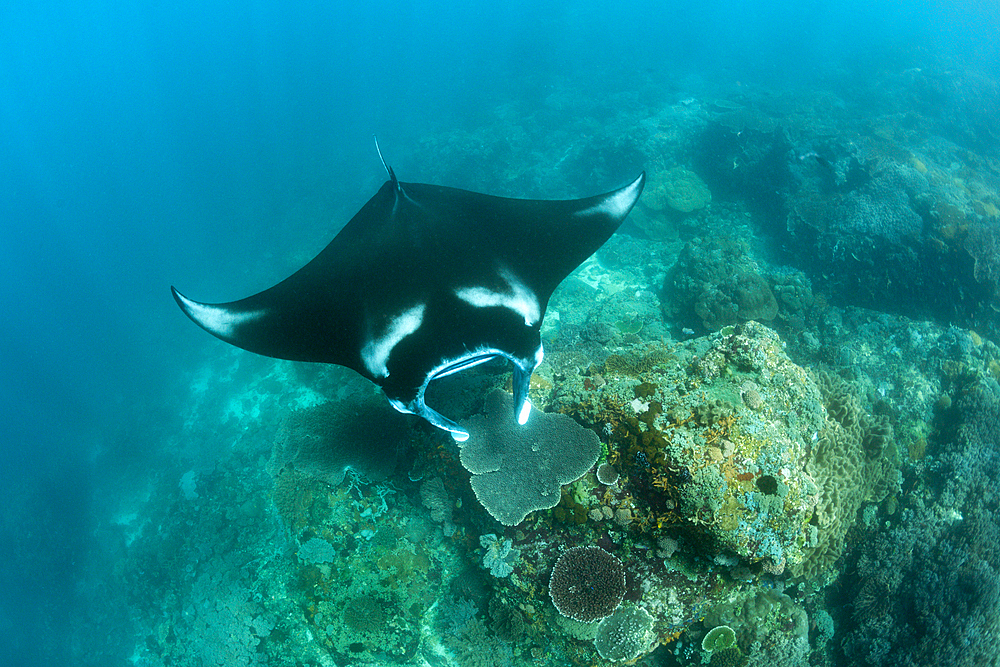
(677, 189)
(714, 284)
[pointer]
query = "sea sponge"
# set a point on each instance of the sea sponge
(587, 583)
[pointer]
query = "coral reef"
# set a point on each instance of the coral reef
(624, 635)
(519, 469)
(815, 477)
(677, 189)
(941, 562)
(587, 583)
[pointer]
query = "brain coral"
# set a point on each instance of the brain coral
(587, 584)
(678, 189)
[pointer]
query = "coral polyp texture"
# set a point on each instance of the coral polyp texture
(587, 584)
(625, 635)
(519, 469)
(677, 189)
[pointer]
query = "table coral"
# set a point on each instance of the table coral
(624, 635)
(519, 469)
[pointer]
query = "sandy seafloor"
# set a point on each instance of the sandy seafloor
(787, 353)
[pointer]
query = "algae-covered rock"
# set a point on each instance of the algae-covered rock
(764, 464)
(750, 490)
(715, 284)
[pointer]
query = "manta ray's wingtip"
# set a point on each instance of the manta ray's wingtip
(220, 320)
(639, 183)
(189, 307)
(181, 300)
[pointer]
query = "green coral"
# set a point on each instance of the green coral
(719, 638)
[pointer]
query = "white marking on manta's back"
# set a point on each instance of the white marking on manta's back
(220, 321)
(376, 351)
(520, 299)
(617, 204)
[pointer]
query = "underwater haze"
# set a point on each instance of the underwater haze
(789, 351)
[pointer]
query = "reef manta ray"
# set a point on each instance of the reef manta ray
(423, 282)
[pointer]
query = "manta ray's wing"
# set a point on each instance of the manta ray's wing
(425, 281)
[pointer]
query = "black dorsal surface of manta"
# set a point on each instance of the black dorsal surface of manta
(423, 282)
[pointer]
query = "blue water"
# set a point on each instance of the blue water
(216, 145)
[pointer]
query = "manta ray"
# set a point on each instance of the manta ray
(425, 281)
